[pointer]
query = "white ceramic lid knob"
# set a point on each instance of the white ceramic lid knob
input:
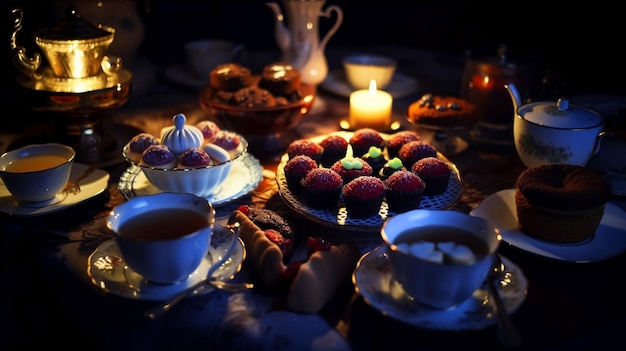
(181, 136)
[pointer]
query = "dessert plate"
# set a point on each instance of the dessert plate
(374, 281)
(337, 217)
(94, 184)
(108, 271)
(245, 175)
(609, 240)
(182, 74)
(400, 85)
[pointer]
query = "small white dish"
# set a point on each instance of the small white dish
(92, 185)
(108, 271)
(183, 74)
(337, 217)
(400, 85)
(609, 240)
(245, 175)
(374, 281)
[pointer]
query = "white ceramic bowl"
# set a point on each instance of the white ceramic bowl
(360, 69)
(38, 172)
(443, 277)
(202, 181)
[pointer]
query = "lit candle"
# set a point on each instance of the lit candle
(370, 108)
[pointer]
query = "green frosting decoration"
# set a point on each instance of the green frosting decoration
(395, 163)
(351, 163)
(374, 151)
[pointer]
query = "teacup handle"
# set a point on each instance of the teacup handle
(234, 229)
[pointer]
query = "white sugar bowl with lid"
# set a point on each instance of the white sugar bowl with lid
(554, 132)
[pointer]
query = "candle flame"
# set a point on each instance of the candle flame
(373, 87)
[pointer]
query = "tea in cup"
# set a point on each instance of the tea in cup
(165, 236)
(440, 257)
(37, 173)
(205, 54)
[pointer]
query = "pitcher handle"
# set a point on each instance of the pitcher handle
(327, 13)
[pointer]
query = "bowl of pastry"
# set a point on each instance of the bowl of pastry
(186, 158)
(257, 105)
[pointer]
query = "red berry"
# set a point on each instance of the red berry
(289, 274)
(317, 244)
(245, 209)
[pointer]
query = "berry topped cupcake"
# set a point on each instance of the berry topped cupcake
(404, 190)
(321, 188)
(363, 196)
(295, 169)
(230, 142)
(209, 130)
(412, 151)
(351, 167)
(305, 147)
(363, 138)
(435, 172)
(395, 142)
(335, 147)
(139, 143)
(194, 158)
(159, 156)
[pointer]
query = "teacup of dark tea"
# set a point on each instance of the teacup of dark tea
(37, 173)
(440, 257)
(165, 236)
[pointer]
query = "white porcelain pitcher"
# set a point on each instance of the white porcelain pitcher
(299, 41)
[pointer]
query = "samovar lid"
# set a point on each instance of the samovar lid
(72, 27)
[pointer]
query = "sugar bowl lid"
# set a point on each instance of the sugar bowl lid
(561, 114)
(73, 27)
(181, 136)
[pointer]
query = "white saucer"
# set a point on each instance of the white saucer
(91, 186)
(337, 217)
(609, 241)
(245, 175)
(400, 85)
(182, 74)
(108, 271)
(374, 282)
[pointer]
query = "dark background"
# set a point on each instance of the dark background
(582, 44)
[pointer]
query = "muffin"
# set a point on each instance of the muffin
(297, 168)
(230, 77)
(194, 158)
(158, 156)
(413, 151)
(305, 147)
(403, 191)
(253, 97)
(392, 166)
(335, 147)
(561, 203)
(363, 138)
(395, 142)
(375, 158)
(363, 196)
(321, 188)
(435, 173)
(209, 130)
(281, 79)
(351, 167)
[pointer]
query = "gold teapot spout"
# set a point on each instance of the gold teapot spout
(25, 64)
